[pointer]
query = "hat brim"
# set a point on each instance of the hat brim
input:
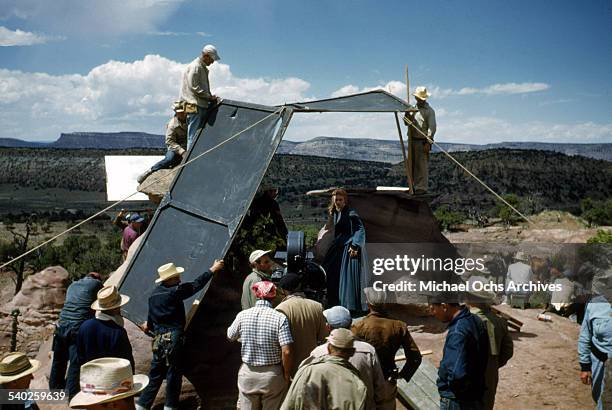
(87, 399)
(178, 272)
(35, 366)
(420, 97)
(255, 260)
(124, 299)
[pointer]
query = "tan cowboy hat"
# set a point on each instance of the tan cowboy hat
(109, 298)
(421, 93)
(15, 365)
(168, 271)
(107, 379)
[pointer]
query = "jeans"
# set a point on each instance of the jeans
(64, 351)
(195, 121)
(160, 370)
(171, 160)
(454, 404)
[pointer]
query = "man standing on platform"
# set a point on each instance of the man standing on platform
(421, 126)
(195, 91)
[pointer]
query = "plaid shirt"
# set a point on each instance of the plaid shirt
(262, 331)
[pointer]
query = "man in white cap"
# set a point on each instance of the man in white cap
(16, 371)
(262, 265)
(195, 91)
(519, 273)
(501, 347)
(176, 141)
(365, 359)
(166, 321)
(331, 381)
(104, 335)
(108, 383)
(421, 129)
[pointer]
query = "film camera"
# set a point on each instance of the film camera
(299, 261)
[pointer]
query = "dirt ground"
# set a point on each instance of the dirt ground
(544, 372)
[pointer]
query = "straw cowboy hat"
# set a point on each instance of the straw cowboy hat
(15, 365)
(107, 379)
(168, 271)
(421, 93)
(109, 298)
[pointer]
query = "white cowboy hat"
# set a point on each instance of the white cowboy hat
(15, 365)
(109, 298)
(107, 379)
(168, 271)
(421, 93)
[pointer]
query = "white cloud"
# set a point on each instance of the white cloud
(101, 17)
(119, 96)
(9, 38)
(136, 96)
(494, 89)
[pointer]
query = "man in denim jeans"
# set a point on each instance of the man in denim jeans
(166, 320)
(77, 309)
(195, 91)
(461, 375)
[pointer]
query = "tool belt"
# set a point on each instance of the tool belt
(167, 345)
(191, 108)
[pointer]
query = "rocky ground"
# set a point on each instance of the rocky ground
(542, 374)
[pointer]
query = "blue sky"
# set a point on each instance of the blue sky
(498, 71)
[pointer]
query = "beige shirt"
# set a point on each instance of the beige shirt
(366, 363)
(424, 120)
(195, 88)
(176, 136)
(326, 383)
(307, 323)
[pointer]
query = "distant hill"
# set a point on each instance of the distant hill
(389, 150)
(365, 149)
(93, 140)
(542, 179)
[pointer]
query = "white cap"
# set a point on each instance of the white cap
(255, 255)
(211, 51)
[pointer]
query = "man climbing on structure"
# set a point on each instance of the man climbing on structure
(176, 141)
(421, 126)
(195, 91)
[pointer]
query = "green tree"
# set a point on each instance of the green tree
(505, 213)
(447, 219)
(601, 237)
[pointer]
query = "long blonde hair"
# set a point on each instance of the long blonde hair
(337, 191)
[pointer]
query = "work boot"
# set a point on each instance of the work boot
(144, 175)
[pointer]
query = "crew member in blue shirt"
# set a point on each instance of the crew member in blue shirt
(77, 309)
(166, 321)
(461, 376)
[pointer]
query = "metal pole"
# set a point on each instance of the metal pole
(408, 173)
(409, 165)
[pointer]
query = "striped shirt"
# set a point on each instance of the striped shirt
(262, 331)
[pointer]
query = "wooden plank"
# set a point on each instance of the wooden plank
(512, 322)
(421, 392)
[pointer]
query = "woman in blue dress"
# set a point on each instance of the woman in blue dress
(345, 262)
